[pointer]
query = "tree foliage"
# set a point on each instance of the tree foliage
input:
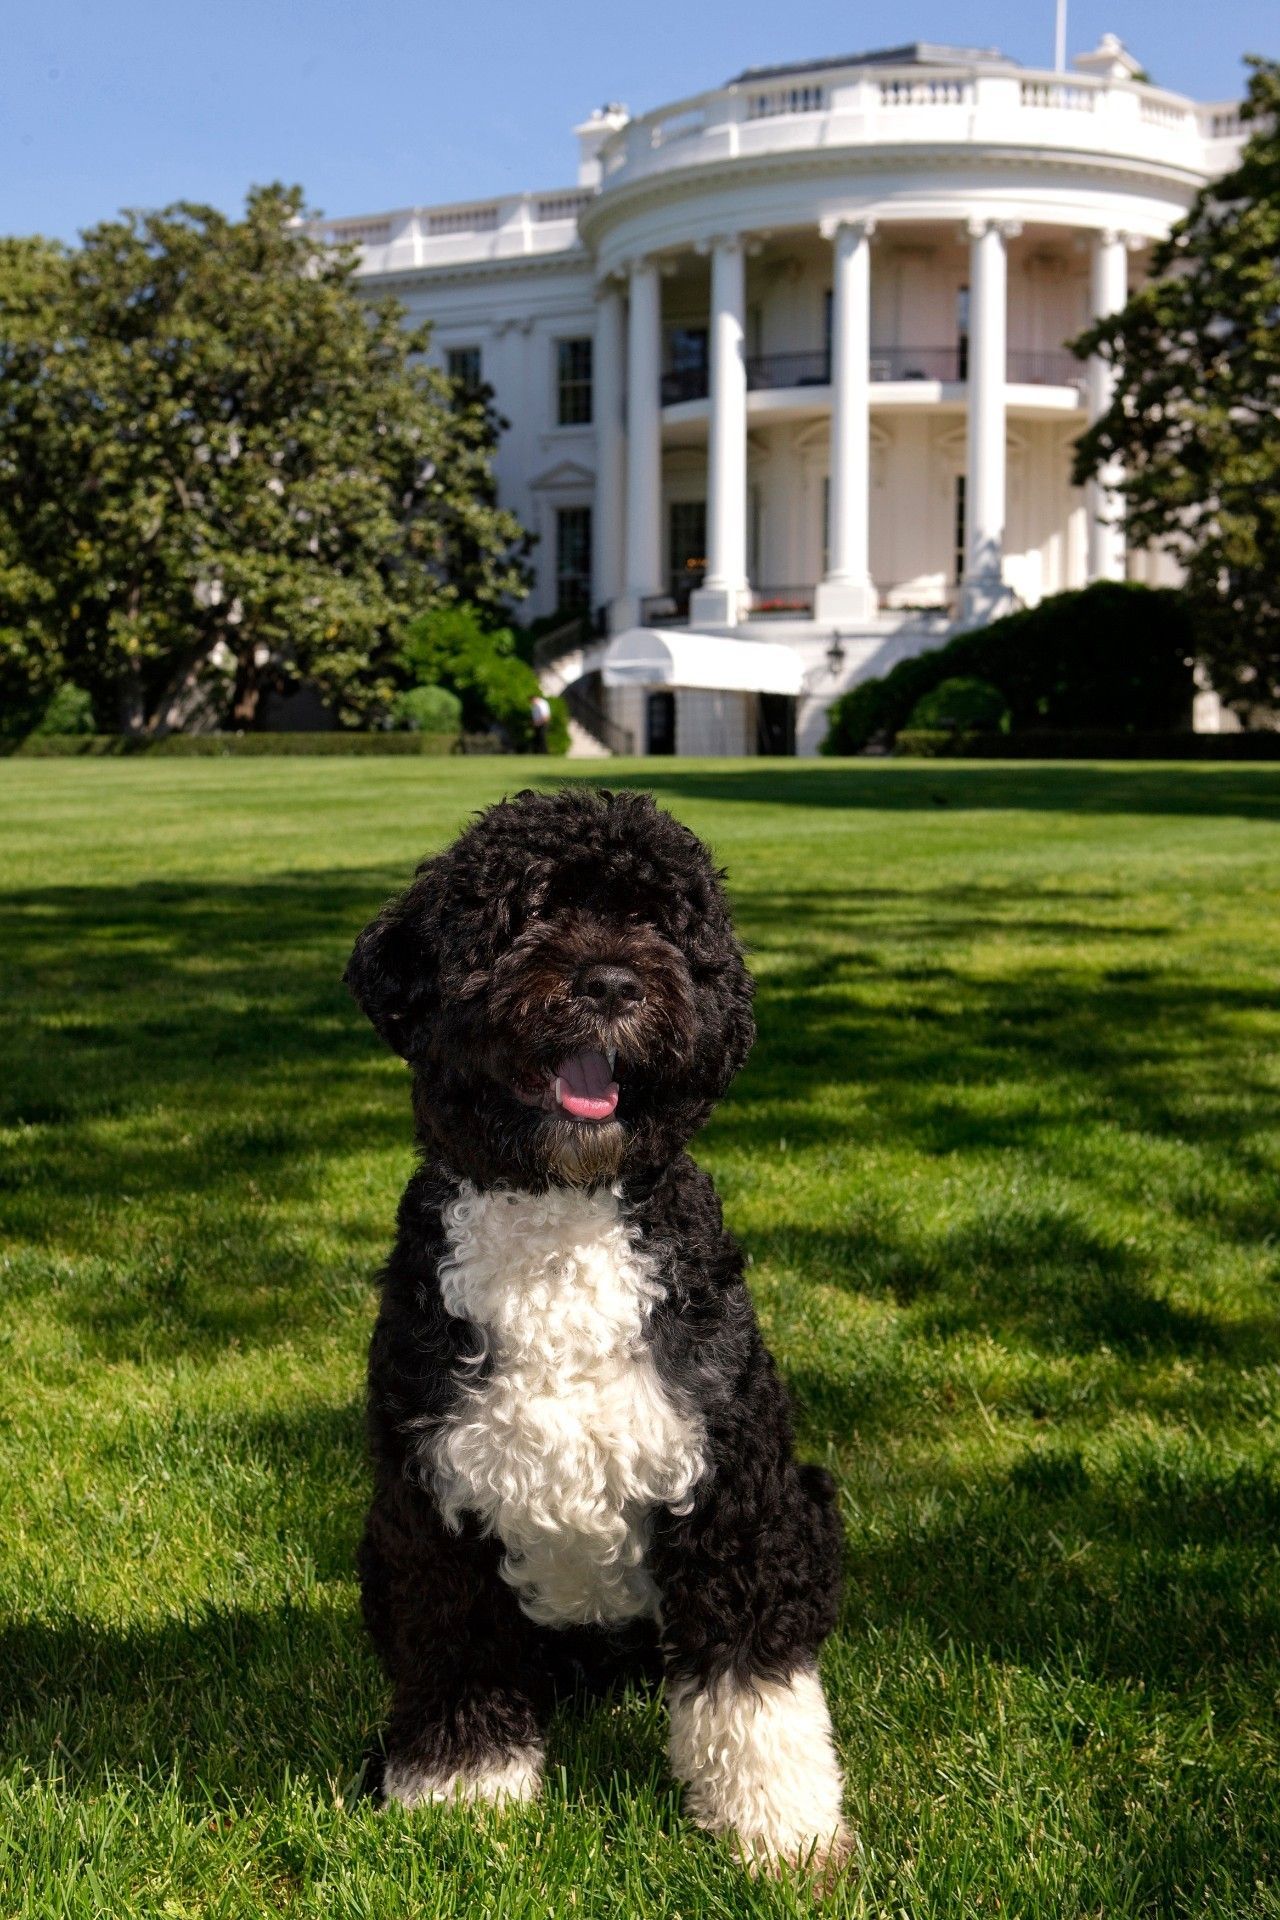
(1193, 422)
(427, 710)
(452, 648)
(1112, 655)
(212, 448)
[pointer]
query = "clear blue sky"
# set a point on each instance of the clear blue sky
(379, 103)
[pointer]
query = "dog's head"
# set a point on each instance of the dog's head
(566, 984)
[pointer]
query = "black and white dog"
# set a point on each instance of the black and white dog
(577, 1433)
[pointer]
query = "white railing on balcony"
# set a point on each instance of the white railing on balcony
(1222, 122)
(359, 233)
(925, 93)
(678, 126)
(504, 228)
(560, 206)
(832, 108)
(464, 220)
(767, 104)
(1163, 113)
(1058, 94)
(865, 106)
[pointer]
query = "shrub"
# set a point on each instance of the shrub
(1111, 656)
(70, 711)
(960, 705)
(427, 710)
(214, 746)
(450, 647)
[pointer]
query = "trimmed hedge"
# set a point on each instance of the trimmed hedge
(1096, 743)
(212, 746)
(1111, 657)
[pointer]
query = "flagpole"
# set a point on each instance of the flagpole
(1060, 39)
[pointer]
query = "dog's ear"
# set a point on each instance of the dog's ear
(392, 969)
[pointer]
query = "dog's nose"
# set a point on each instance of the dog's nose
(610, 985)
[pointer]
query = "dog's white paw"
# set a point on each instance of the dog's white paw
(759, 1766)
(516, 1777)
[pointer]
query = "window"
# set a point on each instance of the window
(573, 559)
(962, 333)
(660, 723)
(687, 349)
(688, 547)
(961, 530)
(573, 383)
(462, 364)
(687, 372)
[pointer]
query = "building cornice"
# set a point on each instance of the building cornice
(851, 163)
(461, 272)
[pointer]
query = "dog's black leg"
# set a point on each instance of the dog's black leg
(470, 1695)
(750, 1583)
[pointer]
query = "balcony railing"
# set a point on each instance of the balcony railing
(665, 609)
(780, 602)
(1045, 367)
(919, 363)
(772, 372)
(768, 370)
(867, 105)
(685, 383)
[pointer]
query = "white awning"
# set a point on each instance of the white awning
(674, 657)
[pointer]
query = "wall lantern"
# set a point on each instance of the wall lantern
(835, 654)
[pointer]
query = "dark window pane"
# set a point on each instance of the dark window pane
(573, 383)
(573, 558)
(660, 719)
(463, 367)
(961, 527)
(687, 350)
(688, 528)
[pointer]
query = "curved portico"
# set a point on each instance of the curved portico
(790, 362)
(840, 173)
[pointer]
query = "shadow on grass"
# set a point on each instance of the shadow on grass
(186, 1056)
(1162, 1572)
(1162, 1576)
(1245, 792)
(198, 1068)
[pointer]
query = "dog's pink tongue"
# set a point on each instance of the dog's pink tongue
(585, 1087)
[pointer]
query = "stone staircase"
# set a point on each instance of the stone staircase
(561, 661)
(584, 745)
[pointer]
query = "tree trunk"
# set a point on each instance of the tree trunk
(133, 710)
(248, 691)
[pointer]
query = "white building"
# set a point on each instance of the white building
(785, 372)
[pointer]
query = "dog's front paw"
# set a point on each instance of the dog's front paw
(759, 1767)
(823, 1857)
(500, 1781)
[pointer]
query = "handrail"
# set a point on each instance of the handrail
(553, 646)
(596, 722)
(811, 367)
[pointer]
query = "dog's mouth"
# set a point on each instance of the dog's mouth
(583, 1086)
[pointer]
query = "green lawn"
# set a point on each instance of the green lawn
(1007, 1162)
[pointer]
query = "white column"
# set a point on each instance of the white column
(847, 592)
(1108, 292)
(644, 445)
(719, 600)
(607, 514)
(984, 595)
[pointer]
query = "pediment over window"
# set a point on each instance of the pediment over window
(564, 476)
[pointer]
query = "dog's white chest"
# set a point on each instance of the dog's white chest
(569, 1440)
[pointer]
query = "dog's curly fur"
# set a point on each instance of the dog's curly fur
(578, 1435)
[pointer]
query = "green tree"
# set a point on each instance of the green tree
(212, 448)
(452, 647)
(1193, 422)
